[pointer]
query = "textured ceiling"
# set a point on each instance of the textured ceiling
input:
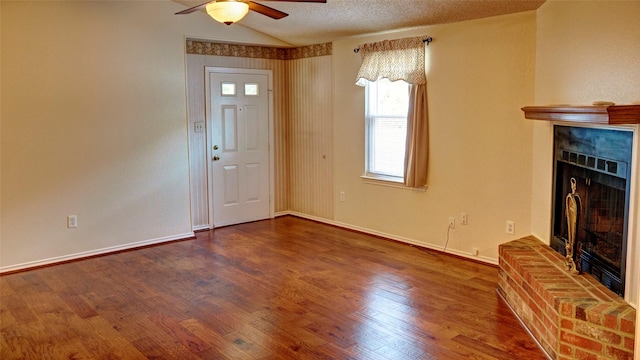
(314, 23)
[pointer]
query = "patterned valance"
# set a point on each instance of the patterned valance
(401, 59)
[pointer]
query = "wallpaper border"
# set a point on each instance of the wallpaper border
(204, 47)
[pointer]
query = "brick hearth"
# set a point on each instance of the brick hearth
(571, 316)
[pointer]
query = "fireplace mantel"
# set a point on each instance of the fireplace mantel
(611, 114)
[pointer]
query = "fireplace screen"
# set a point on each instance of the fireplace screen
(591, 201)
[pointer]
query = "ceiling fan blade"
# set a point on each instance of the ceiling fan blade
(268, 11)
(194, 9)
(259, 8)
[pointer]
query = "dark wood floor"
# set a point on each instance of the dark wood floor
(278, 289)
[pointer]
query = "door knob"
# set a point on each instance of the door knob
(216, 158)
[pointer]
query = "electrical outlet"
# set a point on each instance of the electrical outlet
(510, 227)
(342, 196)
(475, 251)
(72, 221)
(463, 218)
(452, 222)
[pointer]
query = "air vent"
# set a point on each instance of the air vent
(582, 160)
(617, 168)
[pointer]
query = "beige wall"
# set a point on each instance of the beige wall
(94, 124)
(480, 73)
(586, 51)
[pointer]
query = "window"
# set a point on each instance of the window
(228, 89)
(251, 89)
(386, 129)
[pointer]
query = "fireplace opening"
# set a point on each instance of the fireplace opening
(591, 200)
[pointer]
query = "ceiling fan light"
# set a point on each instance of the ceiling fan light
(227, 12)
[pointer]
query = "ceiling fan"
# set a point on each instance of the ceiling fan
(230, 11)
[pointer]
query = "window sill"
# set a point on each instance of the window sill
(388, 181)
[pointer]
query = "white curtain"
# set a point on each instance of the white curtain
(404, 59)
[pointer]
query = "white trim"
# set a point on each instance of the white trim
(390, 182)
(103, 251)
(281, 213)
(202, 227)
(401, 239)
(632, 270)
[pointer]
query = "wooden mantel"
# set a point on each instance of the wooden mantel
(607, 114)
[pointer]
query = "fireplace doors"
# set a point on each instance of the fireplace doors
(591, 199)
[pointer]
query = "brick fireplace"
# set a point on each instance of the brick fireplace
(571, 316)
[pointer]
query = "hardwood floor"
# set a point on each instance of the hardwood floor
(286, 288)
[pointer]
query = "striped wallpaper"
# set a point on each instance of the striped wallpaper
(302, 123)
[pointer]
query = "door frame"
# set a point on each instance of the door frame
(208, 70)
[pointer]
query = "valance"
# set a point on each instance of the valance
(401, 59)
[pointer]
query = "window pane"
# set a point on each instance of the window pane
(250, 89)
(387, 145)
(387, 106)
(391, 98)
(228, 88)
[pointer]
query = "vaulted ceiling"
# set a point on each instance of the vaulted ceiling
(314, 23)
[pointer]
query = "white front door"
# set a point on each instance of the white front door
(238, 119)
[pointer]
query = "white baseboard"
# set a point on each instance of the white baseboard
(282, 213)
(112, 249)
(405, 240)
(103, 251)
(201, 227)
